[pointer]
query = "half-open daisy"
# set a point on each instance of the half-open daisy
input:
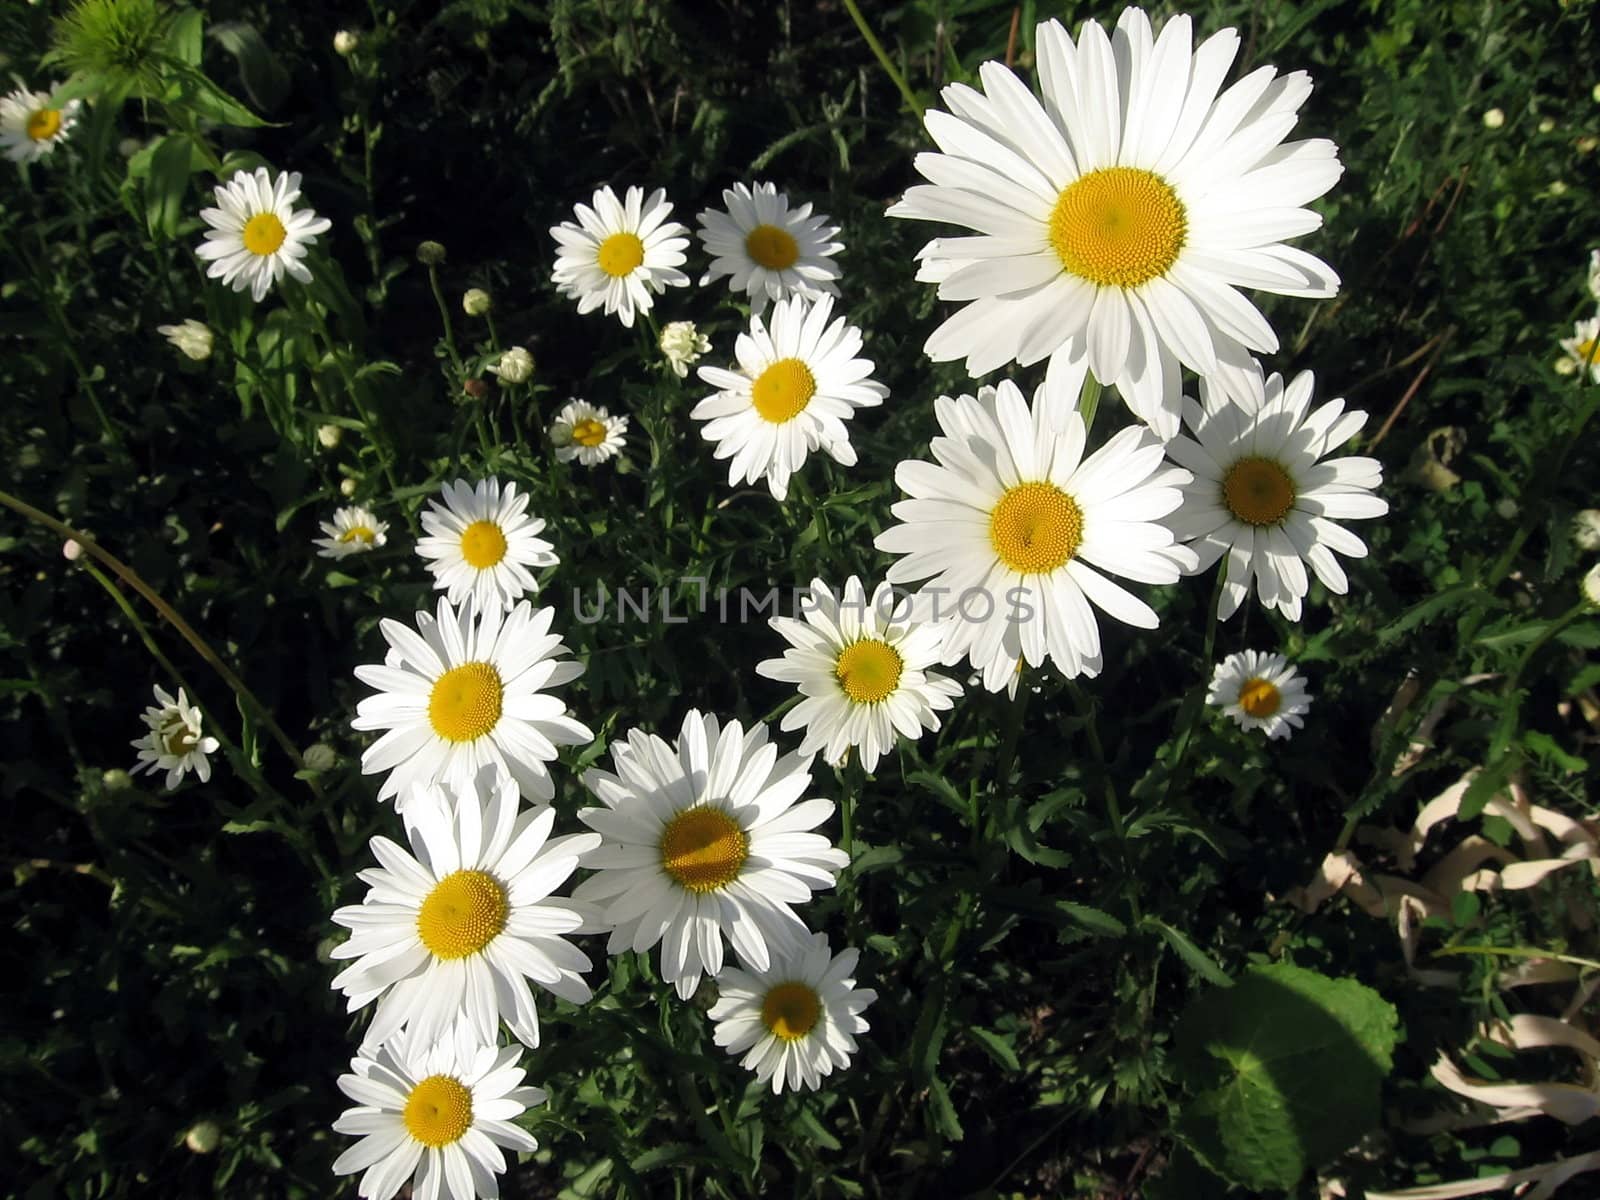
(1260, 691)
(862, 665)
(703, 839)
(463, 692)
(456, 928)
(174, 743)
(1013, 522)
(1117, 220)
(481, 541)
(587, 433)
(32, 125)
(1581, 347)
(434, 1115)
(768, 251)
(1265, 494)
(795, 1021)
(256, 234)
(620, 252)
(795, 388)
(353, 530)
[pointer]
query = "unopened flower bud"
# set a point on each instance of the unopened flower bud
(1547, 125)
(328, 436)
(1591, 585)
(71, 550)
(347, 488)
(1558, 188)
(1506, 507)
(345, 42)
(116, 780)
(683, 344)
(129, 146)
(192, 339)
(475, 302)
(1586, 144)
(430, 254)
(1586, 530)
(1494, 118)
(515, 366)
(1565, 366)
(203, 1137)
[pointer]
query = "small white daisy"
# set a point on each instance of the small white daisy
(460, 693)
(1581, 347)
(797, 1020)
(589, 434)
(174, 743)
(703, 839)
(1265, 494)
(862, 665)
(683, 345)
(31, 126)
(620, 252)
(193, 339)
(1260, 691)
(256, 234)
(795, 388)
(481, 541)
(436, 1116)
(353, 530)
(768, 251)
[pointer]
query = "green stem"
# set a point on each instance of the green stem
(1196, 705)
(444, 316)
(883, 58)
(1119, 828)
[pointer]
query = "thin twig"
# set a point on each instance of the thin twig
(1011, 38)
(1411, 391)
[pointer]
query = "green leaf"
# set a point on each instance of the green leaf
(263, 76)
(212, 103)
(171, 160)
(996, 1046)
(944, 1112)
(1092, 919)
(1197, 959)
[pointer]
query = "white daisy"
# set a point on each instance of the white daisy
(353, 530)
(1117, 219)
(1581, 346)
(436, 1116)
(31, 126)
(862, 666)
(453, 929)
(462, 693)
(589, 434)
(795, 388)
(620, 252)
(174, 743)
(797, 1020)
(481, 541)
(704, 839)
(257, 234)
(1260, 691)
(766, 250)
(1263, 493)
(1013, 521)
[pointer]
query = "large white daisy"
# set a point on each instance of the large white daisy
(1117, 220)
(1013, 522)
(457, 928)
(462, 692)
(703, 839)
(795, 388)
(587, 433)
(767, 250)
(436, 1115)
(1265, 494)
(862, 665)
(31, 125)
(1260, 691)
(256, 234)
(795, 1021)
(173, 742)
(620, 252)
(481, 541)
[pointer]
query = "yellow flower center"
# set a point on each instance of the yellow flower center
(589, 432)
(1118, 227)
(620, 254)
(465, 702)
(703, 849)
(783, 390)
(483, 544)
(358, 533)
(177, 738)
(772, 247)
(1259, 698)
(438, 1112)
(44, 124)
(791, 1010)
(465, 911)
(1584, 351)
(1258, 491)
(868, 670)
(263, 233)
(1035, 528)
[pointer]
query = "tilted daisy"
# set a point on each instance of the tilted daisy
(256, 234)
(174, 743)
(620, 252)
(481, 541)
(587, 433)
(862, 665)
(353, 530)
(1265, 494)
(462, 692)
(703, 839)
(435, 1116)
(1015, 527)
(1117, 220)
(456, 929)
(1581, 346)
(1260, 691)
(766, 250)
(31, 125)
(795, 1021)
(795, 388)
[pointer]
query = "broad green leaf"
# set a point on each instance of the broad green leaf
(263, 76)
(171, 161)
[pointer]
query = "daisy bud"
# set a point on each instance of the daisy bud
(1494, 119)
(1586, 144)
(71, 550)
(1547, 125)
(129, 146)
(515, 366)
(1565, 366)
(683, 345)
(1586, 530)
(192, 339)
(345, 43)
(1558, 188)
(203, 1137)
(1506, 507)
(475, 302)
(328, 436)
(1591, 585)
(321, 757)
(430, 254)
(1596, 93)
(347, 488)
(116, 780)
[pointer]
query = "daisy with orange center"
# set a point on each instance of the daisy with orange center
(1260, 691)
(766, 250)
